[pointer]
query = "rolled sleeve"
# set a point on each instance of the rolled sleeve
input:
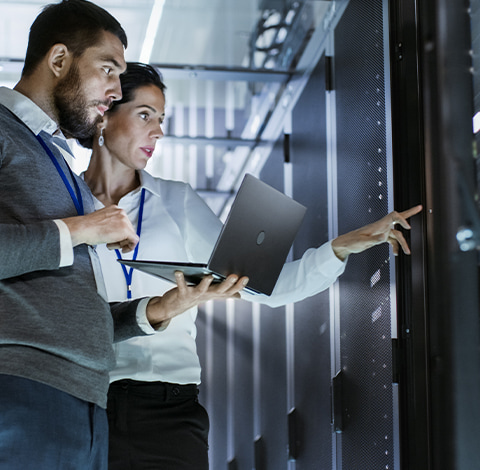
(66, 246)
(142, 319)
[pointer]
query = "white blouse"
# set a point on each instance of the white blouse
(178, 225)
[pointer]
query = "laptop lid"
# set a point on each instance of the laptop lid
(254, 242)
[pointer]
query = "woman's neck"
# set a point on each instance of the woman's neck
(109, 181)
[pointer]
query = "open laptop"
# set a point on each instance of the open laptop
(254, 242)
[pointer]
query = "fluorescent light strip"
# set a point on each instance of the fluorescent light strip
(151, 32)
(229, 106)
(179, 131)
(192, 132)
(192, 110)
(209, 128)
(192, 165)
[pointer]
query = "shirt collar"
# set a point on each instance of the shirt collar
(26, 110)
(148, 182)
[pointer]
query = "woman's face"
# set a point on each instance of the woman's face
(133, 128)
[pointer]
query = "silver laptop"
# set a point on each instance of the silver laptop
(254, 242)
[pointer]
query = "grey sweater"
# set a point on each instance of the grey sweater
(54, 327)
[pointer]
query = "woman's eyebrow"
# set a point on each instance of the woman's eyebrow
(147, 106)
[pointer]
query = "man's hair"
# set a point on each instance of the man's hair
(137, 75)
(76, 23)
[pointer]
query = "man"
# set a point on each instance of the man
(56, 328)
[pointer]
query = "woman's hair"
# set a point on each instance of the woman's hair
(76, 23)
(137, 75)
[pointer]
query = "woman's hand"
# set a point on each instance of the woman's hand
(183, 297)
(378, 232)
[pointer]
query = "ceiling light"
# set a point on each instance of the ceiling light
(289, 17)
(281, 35)
(151, 32)
(270, 63)
(255, 124)
(273, 19)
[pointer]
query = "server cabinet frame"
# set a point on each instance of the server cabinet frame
(438, 293)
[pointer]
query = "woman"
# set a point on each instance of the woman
(154, 415)
(157, 376)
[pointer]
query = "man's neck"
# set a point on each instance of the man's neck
(38, 94)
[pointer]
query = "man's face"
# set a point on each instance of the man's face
(89, 87)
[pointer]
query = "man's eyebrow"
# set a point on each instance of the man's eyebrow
(112, 60)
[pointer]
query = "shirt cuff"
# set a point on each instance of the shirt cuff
(332, 261)
(66, 246)
(142, 319)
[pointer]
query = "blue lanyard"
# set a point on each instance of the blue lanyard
(128, 273)
(75, 195)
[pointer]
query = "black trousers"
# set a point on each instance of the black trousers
(156, 426)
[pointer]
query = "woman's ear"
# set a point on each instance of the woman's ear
(59, 60)
(102, 124)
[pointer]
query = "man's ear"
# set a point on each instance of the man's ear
(59, 60)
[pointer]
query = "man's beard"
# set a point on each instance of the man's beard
(72, 107)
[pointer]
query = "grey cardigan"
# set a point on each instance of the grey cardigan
(54, 327)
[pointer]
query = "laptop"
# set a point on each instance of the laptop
(254, 241)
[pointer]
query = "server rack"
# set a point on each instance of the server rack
(382, 371)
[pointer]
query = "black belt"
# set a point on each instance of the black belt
(164, 390)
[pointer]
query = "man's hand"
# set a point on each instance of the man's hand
(378, 232)
(109, 225)
(184, 297)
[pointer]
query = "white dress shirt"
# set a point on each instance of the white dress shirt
(178, 225)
